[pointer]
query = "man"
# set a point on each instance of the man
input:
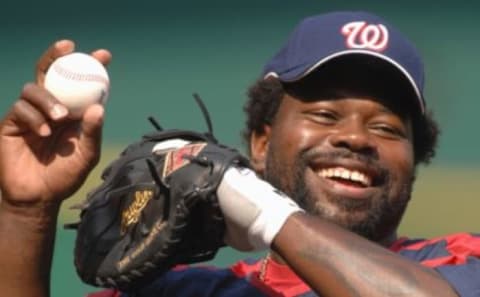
(338, 122)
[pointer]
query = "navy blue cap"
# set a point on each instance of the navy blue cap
(323, 38)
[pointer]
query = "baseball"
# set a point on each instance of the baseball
(77, 80)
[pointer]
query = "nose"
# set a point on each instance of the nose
(353, 135)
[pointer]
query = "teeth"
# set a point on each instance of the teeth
(353, 175)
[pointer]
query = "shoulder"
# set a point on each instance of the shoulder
(449, 249)
(455, 257)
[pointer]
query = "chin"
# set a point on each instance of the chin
(340, 216)
(363, 221)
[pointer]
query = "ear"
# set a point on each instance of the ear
(259, 144)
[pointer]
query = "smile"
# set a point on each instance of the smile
(352, 181)
(341, 174)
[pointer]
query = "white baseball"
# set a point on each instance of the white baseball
(78, 80)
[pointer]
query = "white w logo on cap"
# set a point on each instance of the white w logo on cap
(366, 36)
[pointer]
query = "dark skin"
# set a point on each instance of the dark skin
(37, 134)
(354, 134)
(59, 153)
(331, 259)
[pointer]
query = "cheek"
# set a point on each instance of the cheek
(400, 160)
(285, 149)
(293, 139)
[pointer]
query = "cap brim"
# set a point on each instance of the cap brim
(300, 72)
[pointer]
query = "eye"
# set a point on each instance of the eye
(323, 116)
(388, 130)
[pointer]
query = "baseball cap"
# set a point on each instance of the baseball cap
(320, 39)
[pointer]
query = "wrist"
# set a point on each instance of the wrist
(255, 210)
(28, 235)
(40, 214)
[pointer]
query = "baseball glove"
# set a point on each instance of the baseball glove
(156, 208)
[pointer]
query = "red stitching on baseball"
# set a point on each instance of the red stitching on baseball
(79, 76)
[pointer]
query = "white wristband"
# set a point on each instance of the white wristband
(254, 205)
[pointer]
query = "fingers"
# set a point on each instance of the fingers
(61, 48)
(56, 50)
(91, 128)
(27, 115)
(35, 109)
(44, 101)
(102, 55)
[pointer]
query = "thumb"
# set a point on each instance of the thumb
(91, 136)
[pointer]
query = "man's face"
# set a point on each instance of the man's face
(349, 160)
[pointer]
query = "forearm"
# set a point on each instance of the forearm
(27, 236)
(335, 262)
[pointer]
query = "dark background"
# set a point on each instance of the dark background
(163, 51)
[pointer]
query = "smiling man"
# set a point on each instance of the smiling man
(350, 143)
(337, 124)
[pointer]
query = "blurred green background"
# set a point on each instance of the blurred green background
(163, 51)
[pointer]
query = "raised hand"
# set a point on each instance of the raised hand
(45, 156)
